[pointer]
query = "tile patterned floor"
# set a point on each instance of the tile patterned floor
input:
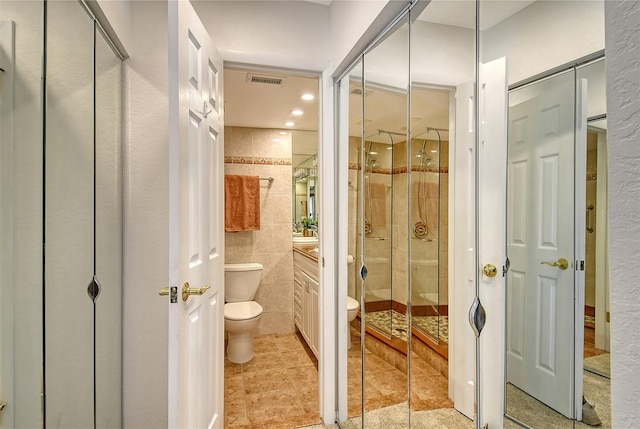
(277, 389)
(386, 385)
(381, 320)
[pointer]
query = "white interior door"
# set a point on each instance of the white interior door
(6, 227)
(196, 239)
(492, 181)
(462, 259)
(540, 232)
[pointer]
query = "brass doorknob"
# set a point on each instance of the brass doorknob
(489, 270)
(561, 263)
(188, 291)
(3, 406)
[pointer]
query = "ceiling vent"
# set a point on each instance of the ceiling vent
(266, 80)
(358, 91)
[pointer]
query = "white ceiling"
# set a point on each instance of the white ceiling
(260, 105)
(461, 13)
(269, 106)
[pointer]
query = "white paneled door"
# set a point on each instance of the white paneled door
(196, 239)
(541, 207)
(7, 403)
(492, 178)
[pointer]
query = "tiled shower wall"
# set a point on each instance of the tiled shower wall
(265, 153)
(430, 258)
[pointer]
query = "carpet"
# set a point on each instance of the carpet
(600, 364)
(597, 390)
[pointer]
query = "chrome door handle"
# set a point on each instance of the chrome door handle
(561, 263)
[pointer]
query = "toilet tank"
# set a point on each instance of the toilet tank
(241, 281)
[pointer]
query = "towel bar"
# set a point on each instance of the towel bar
(270, 179)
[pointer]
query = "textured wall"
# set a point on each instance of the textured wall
(623, 113)
(146, 216)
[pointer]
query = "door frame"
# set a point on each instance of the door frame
(326, 232)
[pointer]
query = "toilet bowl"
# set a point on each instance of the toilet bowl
(352, 311)
(241, 314)
(240, 320)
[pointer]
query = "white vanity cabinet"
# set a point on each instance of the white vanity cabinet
(305, 297)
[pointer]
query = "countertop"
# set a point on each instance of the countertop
(307, 250)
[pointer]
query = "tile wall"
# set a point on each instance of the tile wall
(430, 257)
(265, 153)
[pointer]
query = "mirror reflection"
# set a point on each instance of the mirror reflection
(557, 339)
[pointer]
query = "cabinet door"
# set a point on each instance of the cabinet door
(297, 304)
(313, 314)
(306, 305)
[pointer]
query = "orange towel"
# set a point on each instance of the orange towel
(241, 203)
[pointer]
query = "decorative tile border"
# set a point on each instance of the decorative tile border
(257, 160)
(400, 170)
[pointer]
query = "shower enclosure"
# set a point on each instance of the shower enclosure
(389, 206)
(61, 216)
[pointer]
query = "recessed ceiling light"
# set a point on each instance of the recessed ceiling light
(289, 124)
(373, 153)
(434, 151)
(296, 112)
(308, 96)
(283, 133)
(390, 147)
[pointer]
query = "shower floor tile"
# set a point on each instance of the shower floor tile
(382, 320)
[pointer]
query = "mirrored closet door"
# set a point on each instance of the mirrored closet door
(400, 130)
(61, 131)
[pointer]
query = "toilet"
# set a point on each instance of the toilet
(352, 311)
(241, 313)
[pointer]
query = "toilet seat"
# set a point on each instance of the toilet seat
(244, 310)
(352, 304)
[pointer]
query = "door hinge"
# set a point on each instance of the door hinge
(505, 267)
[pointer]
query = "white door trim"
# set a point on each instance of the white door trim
(580, 207)
(602, 251)
(462, 353)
